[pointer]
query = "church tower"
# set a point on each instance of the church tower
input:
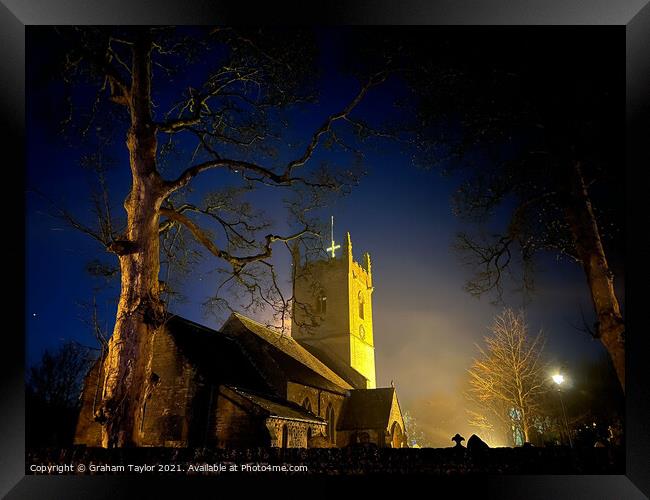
(332, 312)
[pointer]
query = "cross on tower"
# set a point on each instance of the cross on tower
(334, 247)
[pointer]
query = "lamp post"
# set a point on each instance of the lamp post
(559, 380)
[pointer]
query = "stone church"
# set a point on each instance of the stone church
(247, 385)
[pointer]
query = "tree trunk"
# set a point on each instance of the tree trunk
(523, 408)
(589, 249)
(140, 311)
(525, 427)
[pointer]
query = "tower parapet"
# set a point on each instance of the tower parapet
(366, 263)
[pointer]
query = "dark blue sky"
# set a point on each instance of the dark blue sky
(425, 324)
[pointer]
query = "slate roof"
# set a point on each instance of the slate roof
(279, 408)
(367, 409)
(217, 357)
(349, 374)
(307, 364)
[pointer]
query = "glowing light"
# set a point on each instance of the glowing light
(334, 247)
(558, 379)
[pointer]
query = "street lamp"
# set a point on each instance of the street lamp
(559, 380)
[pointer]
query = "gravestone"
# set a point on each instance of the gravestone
(476, 444)
(458, 438)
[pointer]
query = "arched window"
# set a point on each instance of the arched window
(361, 301)
(396, 436)
(331, 422)
(285, 436)
(306, 404)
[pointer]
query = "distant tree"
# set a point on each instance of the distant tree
(415, 435)
(508, 378)
(52, 394)
(546, 428)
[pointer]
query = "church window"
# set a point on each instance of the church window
(285, 436)
(362, 332)
(361, 306)
(330, 424)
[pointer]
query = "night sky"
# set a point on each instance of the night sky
(426, 326)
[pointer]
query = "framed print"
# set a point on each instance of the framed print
(375, 242)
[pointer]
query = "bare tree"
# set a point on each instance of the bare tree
(508, 378)
(56, 378)
(416, 436)
(231, 121)
(53, 388)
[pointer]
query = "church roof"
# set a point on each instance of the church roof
(367, 409)
(278, 408)
(288, 346)
(345, 371)
(216, 356)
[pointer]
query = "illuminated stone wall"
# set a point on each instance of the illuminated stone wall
(296, 432)
(362, 350)
(319, 400)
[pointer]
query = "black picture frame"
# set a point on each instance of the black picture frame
(633, 16)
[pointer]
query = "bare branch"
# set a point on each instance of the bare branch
(326, 126)
(197, 103)
(265, 174)
(69, 219)
(236, 261)
(510, 375)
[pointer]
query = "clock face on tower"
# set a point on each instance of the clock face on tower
(362, 332)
